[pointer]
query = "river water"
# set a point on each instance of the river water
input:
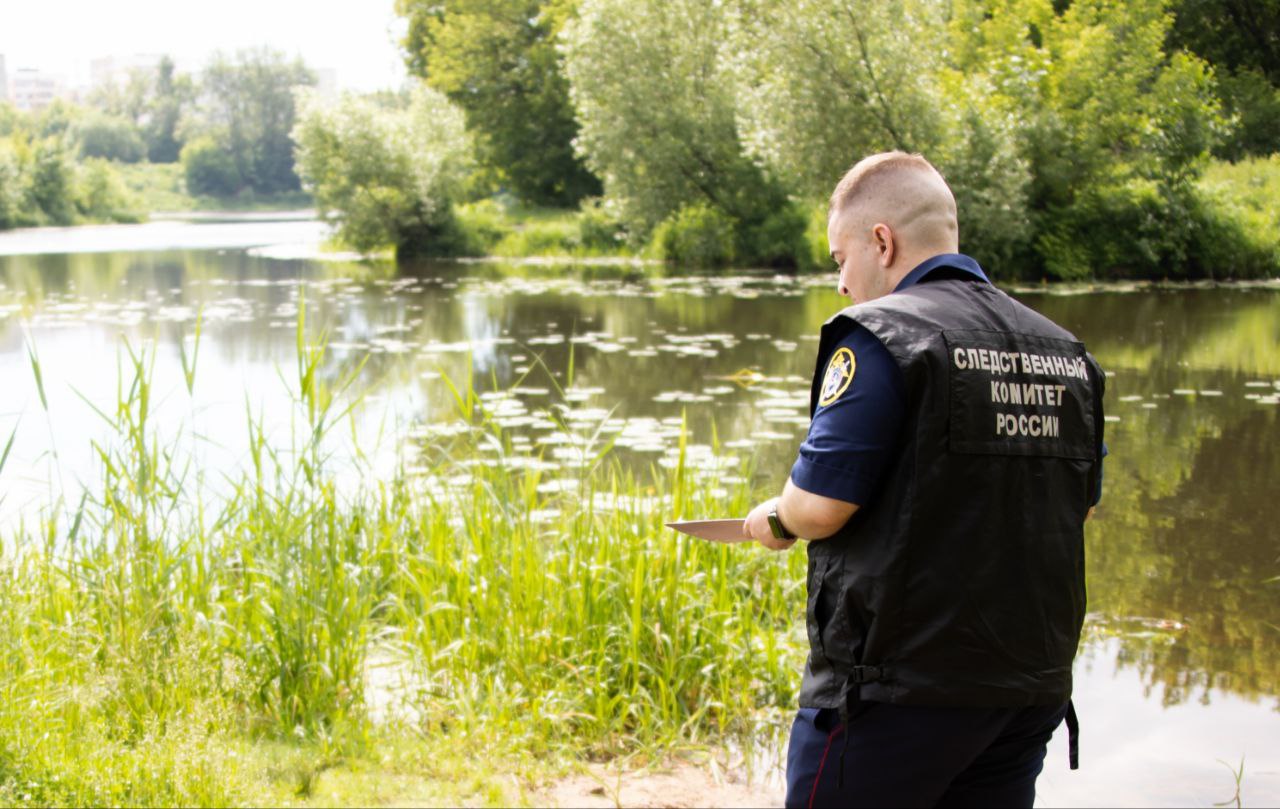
(1179, 679)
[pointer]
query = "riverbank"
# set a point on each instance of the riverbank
(221, 627)
(158, 190)
(1242, 201)
(1224, 227)
(173, 646)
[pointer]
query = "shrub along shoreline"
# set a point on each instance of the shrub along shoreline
(1231, 232)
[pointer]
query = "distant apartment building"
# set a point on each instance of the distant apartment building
(30, 90)
(115, 70)
(4, 81)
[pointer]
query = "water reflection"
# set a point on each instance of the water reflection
(1187, 536)
(1179, 556)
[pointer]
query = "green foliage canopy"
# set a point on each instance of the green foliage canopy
(497, 60)
(657, 105)
(1059, 132)
(1241, 39)
(210, 169)
(387, 175)
(247, 106)
(41, 182)
(170, 99)
(109, 137)
(155, 101)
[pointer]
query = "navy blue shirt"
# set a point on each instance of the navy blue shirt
(863, 403)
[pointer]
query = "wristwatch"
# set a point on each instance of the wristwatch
(779, 530)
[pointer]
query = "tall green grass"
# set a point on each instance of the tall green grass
(521, 232)
(156, 631)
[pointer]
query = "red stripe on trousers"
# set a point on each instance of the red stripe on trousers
(813, 793)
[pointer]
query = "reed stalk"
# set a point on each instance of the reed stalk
(156, 628)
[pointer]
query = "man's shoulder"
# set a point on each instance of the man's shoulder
(951, 303)
(920, 298)
(917, 310)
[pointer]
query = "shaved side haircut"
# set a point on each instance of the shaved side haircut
(902, 190)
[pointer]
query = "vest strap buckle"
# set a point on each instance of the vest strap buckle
(849, 698)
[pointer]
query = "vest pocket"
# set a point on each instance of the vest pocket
(830, 638)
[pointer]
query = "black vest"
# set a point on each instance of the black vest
(962, 583)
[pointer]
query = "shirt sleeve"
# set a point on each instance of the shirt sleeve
(855, 427)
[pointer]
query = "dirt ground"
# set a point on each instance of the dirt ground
(675, 783)
(678, 784)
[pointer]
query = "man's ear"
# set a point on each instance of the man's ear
(886, 247)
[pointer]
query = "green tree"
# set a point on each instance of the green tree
(52, 183)
(1070, 137)
(55, 120)
(11, 186)
(9, 118)
(657, 106)
(100, 194)
(156, 101)
(210, 169)
(171, 96)
(127, 99)
(1241, 39)
(823, 84)
(1119, 132)
(387, 175)
(247, 105)
(109, 137)
(497, 60)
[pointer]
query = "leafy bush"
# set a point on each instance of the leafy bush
(1117, 232)
(11, 190)
(101, 194)
(485, 224)
(817, 255)
(52, 181)
(696, 235)
(777, 241)
(501, 227)
(110, 138)
(387, 173)
(1241, 205)
(656, 109)
(1147, 230)
(1253, 102)
(498, 62)
(209, 169)
(600, 229)
(554, 237)
(443, 235)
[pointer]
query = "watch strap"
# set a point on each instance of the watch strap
(775, 524)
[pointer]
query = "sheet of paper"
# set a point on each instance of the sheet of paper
(713, 530)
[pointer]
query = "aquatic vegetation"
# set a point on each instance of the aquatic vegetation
(170, 618)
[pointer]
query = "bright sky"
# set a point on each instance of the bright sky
(356, 38)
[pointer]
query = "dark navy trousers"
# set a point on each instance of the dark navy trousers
(907, 755)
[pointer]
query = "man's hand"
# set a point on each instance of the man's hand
(757, 527)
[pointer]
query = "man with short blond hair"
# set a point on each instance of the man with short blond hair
(953, 456)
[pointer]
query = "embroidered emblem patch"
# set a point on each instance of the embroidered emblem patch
(840, 372)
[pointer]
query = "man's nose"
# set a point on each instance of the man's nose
(842, 289)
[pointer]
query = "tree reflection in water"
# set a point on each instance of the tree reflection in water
(1179, 556)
